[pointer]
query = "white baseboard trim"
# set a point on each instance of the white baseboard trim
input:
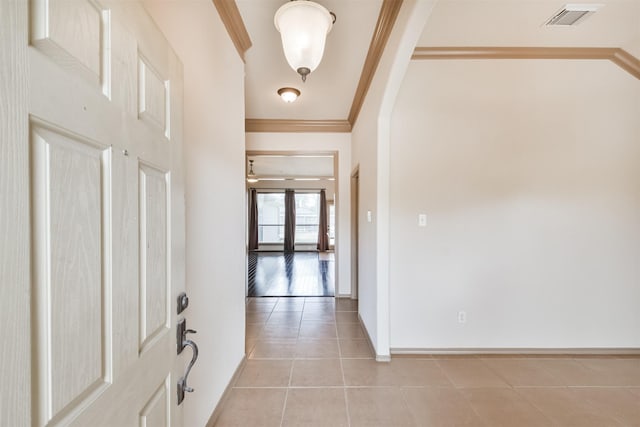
(599, 351)
(225, 395)
(346, 296)
(379, 357)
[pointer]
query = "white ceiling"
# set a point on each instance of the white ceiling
(329, 90)
(521, 23)
(287, 166)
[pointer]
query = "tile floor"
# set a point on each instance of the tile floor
(309, 364)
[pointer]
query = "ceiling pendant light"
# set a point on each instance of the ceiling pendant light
(251, 177)
(288, 94)
(303, 26)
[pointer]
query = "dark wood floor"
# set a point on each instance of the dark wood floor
(277, 274)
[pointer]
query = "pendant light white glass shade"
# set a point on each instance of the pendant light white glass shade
(303, 26)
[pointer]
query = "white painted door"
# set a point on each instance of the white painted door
(91, 215)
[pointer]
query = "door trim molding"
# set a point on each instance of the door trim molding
(618, 56)
(282, 125)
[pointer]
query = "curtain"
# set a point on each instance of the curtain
(253, 220)
(289, 220)
(323, 235)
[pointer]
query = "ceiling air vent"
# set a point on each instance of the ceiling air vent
(572, 14)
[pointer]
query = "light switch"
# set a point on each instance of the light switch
(368, 216)
(422, 220)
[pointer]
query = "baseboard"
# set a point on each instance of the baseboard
(344, 296)
(517, 351)
(225, 395)
(379, 357)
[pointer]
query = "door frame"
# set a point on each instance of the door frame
(355, 207)
(336, 177)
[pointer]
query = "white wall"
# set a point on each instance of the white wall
(370, 152)
(529, 173)
(214, 165)
(318, 142)
(329, 186)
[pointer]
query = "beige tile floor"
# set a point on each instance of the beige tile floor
(309, 364)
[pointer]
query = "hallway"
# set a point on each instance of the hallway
(309, 364)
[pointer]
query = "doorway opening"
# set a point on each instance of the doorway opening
(291, 225)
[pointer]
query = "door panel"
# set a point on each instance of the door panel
(95, 233)
(73, 33)
(70, 291)
(153, 95)
(155, 412)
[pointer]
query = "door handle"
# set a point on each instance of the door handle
(182, 343)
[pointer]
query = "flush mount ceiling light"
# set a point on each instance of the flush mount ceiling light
(303, 26)
(251, 177)
(288, 94)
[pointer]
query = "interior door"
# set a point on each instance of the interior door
(93, 210)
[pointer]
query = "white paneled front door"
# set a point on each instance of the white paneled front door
(91, 215)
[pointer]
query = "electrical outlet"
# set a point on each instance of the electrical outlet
(422, 220)
(462, 317)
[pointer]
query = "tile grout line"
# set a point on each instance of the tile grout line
(344, 380)
(533, 405)
(286, 395)
(293, 363)
(456, 388)
(496, 373)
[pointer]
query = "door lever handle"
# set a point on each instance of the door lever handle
(182, 382)
(181, 335)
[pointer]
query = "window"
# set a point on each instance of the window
(270, 217)
(307, 217)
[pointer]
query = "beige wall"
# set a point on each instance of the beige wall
(328, 185)
(529, 173)
(633, 47)
(214, 159)
(370, 155)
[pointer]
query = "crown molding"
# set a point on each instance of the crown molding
(280, 125)
(386, 20)
(627, 62)
(230, 15)
(618, 56)
(511, 53)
